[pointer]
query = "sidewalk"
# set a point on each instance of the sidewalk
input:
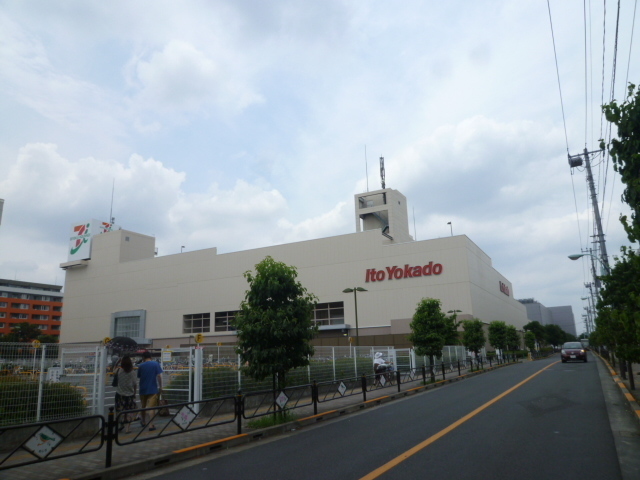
(632, 396)
(144, 456)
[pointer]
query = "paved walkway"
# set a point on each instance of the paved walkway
(144, 456)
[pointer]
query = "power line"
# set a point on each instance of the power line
(633, 25)
(553, 38)
(586, 94)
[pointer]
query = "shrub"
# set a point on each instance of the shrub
(19, 401)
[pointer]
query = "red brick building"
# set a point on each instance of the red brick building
(36, 303)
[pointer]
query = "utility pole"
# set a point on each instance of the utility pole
(576, 161)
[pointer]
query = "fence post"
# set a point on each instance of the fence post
(489, 362)
(333, 361)
(459, 373)
(314, 396)
(363, 380)
(239, 404)
(110, 433)
(424, 374)
(398, 379)
(101, 372)
(41, 383)
(443, 371)
(198, 372)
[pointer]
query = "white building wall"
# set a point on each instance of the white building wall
(124, 275)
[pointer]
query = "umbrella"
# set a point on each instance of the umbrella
(122, 344)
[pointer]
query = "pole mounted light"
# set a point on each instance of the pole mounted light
(355, 291)
(576, 256)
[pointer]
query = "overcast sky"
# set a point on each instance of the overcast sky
(241, 124)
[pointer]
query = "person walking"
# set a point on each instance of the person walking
(125, 391)
(150, 376)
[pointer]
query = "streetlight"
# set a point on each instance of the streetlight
(576, 256)
(182, 248)
(450, 226)
(355, 291)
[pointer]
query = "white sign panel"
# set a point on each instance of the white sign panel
(81, 235)
(184, 417)
(282, 400)
(342, 388)
(43, 442)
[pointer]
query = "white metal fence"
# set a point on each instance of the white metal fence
(50, 381)
(57, 381)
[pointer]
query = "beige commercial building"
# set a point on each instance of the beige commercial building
(121, 288)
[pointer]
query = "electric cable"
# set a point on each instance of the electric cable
(555, 54)
(633, 25)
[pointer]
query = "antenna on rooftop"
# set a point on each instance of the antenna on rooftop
(382, 171)
(366, 166)
(113, 188)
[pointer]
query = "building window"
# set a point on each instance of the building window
(40, 317)
(55, 327)
(20, 316)
(3, 314)
(130, 323)
(44, 308)
(57, 309)
(42, 327)
(224, 320)
(22, 306)
(196, 323)
(329, 313)
(127, 327)
(2, 325)
(3, 304)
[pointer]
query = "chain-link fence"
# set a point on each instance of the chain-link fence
(57, 381)
(40, 382)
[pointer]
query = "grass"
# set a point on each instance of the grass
(272, 420)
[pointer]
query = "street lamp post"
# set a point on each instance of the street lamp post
(605, 265)
(355, 291)
(451, 227)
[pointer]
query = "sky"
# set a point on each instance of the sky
(242, 124)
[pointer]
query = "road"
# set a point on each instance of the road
(534, 420)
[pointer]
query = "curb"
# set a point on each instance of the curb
(633, 403)
(177, 456)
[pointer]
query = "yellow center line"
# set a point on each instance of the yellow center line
(412, 451)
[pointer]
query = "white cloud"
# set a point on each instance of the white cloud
(183, 78)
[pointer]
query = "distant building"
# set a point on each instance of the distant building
(560, 316)
(36, 303)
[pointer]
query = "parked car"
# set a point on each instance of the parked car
(573, 351)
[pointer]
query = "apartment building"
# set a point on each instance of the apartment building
(36, 303)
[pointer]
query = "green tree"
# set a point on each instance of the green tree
(624, 153)
(473, 335)
(530, 340)
(430, 330)
(498, 335)
(26, 332)
(538, 331)
(513, 338)
(554, 335)
(48, 338)
(618, 320)
(275, 322)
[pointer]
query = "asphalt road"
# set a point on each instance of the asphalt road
(507, 424)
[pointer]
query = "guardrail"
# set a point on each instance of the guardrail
(40, 442)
